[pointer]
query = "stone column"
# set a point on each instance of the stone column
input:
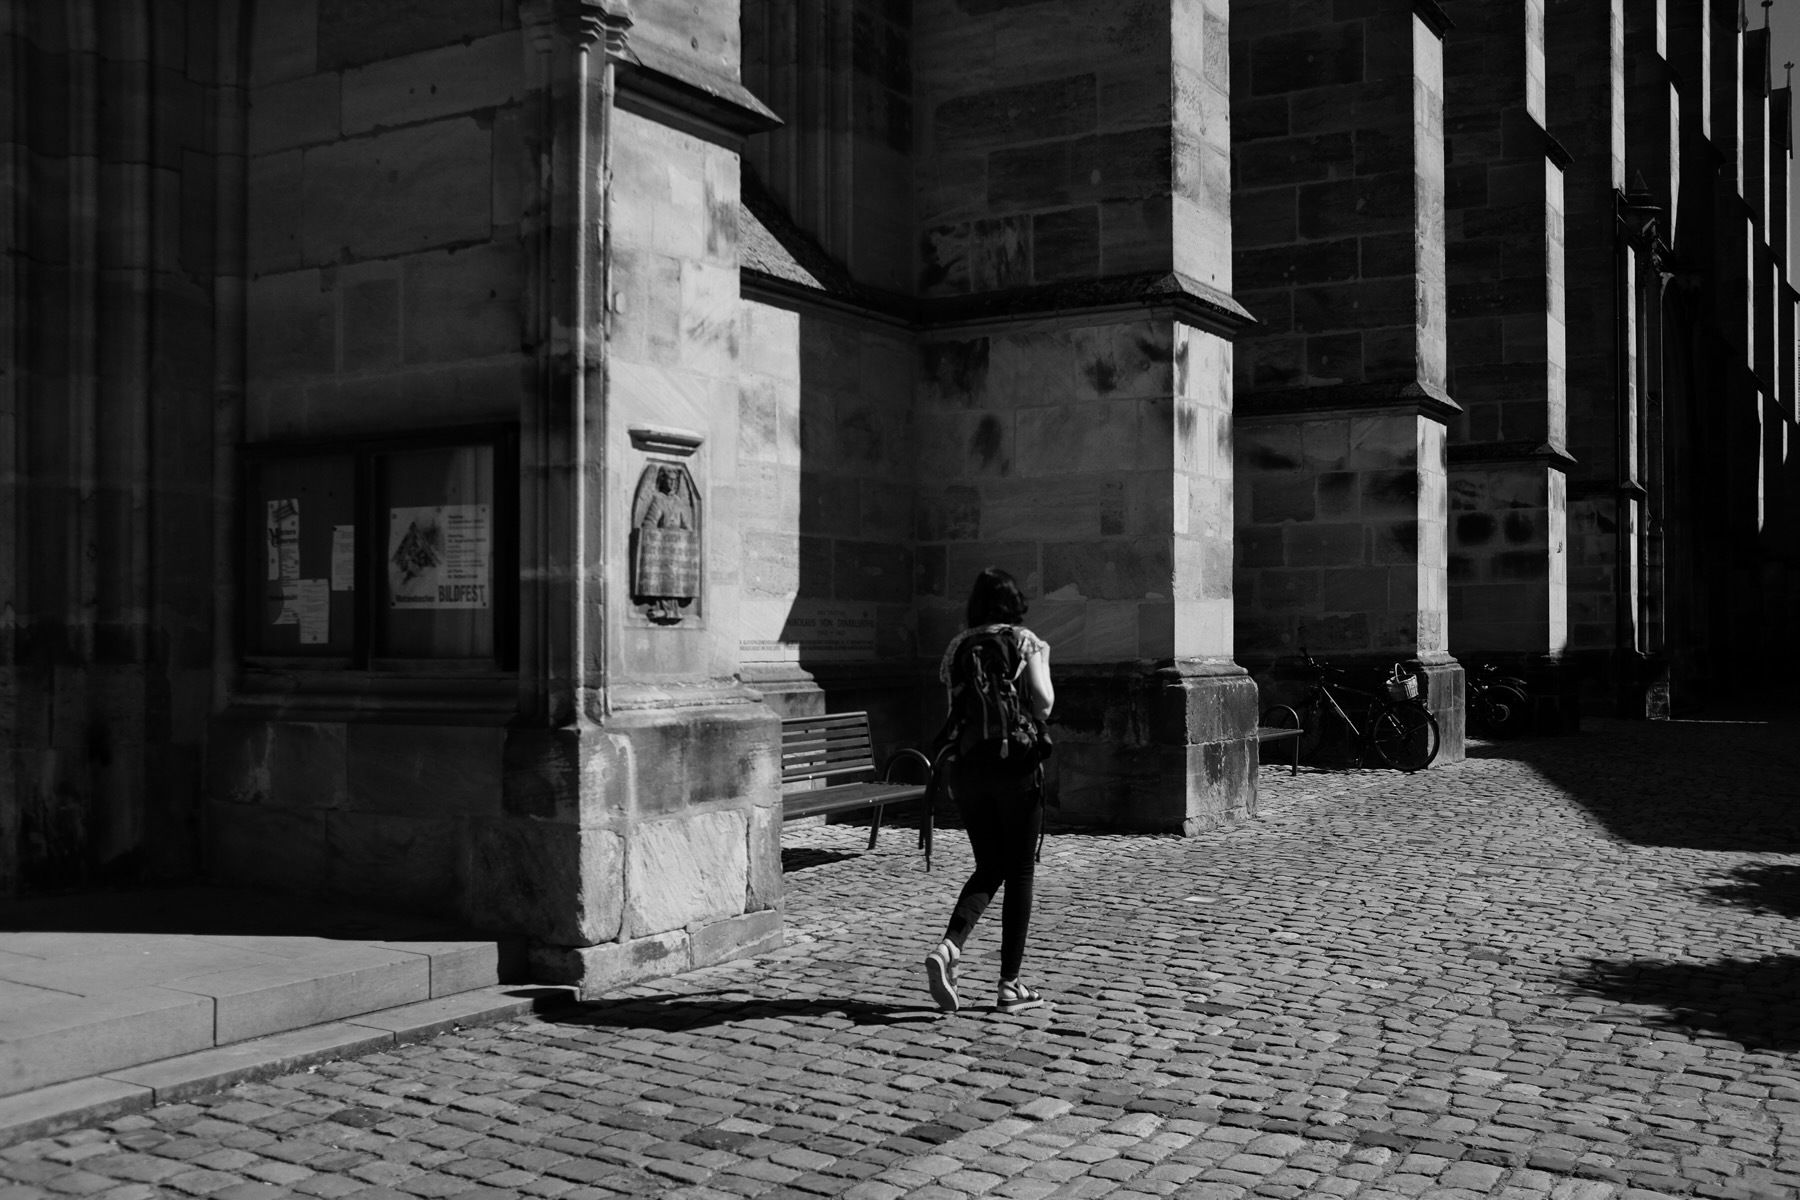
(1653, 133)
(1609, 305)
(1340, 448)
(1508, 352)
(1074, 415)
(641, 822)
(107, 503)
(1741, 419)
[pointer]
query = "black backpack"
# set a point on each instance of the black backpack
(990, 714)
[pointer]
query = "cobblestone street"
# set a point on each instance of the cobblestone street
(1563, 968)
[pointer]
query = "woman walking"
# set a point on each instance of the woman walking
(998, 676)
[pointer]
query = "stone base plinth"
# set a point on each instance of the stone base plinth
(645, 846)
(595, 970)
(1161, 750)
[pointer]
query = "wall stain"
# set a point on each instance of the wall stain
(1475, 529)
(987, 442)
(958, 369)
(1102, 374)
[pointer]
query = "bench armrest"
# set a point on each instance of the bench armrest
(907, 756)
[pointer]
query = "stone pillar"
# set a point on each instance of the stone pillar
(108, 285)
(1653, 167)
(1074, 415)
(641, 811)
(1508, 355)
(1606, 302)
(1340, 448)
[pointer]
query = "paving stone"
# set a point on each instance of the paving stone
(1340, 1026)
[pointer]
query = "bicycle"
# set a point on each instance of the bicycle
(1498, 704)
(1401, 731)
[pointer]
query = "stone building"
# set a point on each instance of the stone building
(441, 439)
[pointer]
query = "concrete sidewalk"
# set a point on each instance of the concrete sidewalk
(114, 1000)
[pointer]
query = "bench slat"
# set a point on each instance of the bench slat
(799, 746)
(831, 754)
(825, 748)
(828, 721)
(825, 772)
(847, 798)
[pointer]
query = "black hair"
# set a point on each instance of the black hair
(996, 599)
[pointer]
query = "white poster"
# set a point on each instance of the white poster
(312, 604)
(284, 539)
(438, 557)
(290, 603)
(343, 558)
(283, 531)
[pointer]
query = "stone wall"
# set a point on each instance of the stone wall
(662, 795)
(1335, 550)
(1508, 347)
(1045, 151)
(385, 270)
(843, 171)
(1508, 561)
(122, 166)
(1338, 156)
(1338, 201)
(827, 432)
(385, 279)
(1093, 463)
(410, 258)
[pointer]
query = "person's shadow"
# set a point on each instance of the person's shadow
(673, 1013)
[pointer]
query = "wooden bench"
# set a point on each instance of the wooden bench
(835, 755)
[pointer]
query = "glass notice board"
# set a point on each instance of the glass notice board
(389, 554)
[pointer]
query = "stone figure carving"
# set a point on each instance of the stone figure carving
(665, 558)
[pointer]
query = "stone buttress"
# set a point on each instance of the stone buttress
(1342, 405)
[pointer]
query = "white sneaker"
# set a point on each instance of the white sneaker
(940, 975)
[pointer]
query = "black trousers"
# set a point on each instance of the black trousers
(1004, 817)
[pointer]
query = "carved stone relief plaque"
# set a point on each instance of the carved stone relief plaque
(665, 543)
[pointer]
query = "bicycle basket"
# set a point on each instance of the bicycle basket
(1402, 687)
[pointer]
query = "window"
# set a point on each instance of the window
(393, 555)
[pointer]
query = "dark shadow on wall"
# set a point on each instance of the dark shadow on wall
(854, 617)
(1748, 1001)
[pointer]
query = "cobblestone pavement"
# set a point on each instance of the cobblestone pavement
(1564, 968)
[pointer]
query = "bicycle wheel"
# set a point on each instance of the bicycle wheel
(1502, 710)
(1405, 736)
(1303, 717)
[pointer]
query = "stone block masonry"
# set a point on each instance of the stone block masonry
(1339, 171)
(1508, 561)
(411, 246)
(1093, 462)
(111, 293)
(1067, 150)
(1340, 438)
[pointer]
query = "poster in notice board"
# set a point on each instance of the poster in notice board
(440, 556)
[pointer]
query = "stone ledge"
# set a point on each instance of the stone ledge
(1524, 451)
(61, 1106)
(1399, 395)
(50, 1110)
